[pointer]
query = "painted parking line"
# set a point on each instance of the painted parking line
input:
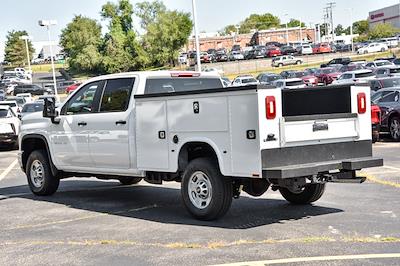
(8, 169)
(320, 258)
(376, 180)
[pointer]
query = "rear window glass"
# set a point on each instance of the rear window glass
(3, 113)
(163, 85)
(395, 70)
(364, 75)
(116, 95)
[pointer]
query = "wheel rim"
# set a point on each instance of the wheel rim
(395, 129)
(200, 190)
(37, 173)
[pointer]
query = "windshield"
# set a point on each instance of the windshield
(383, 63)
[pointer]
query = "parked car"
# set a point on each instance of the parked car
(2, 95)
(305, 49)
(327, 75)
(19, 100)
(380, 83)
(226, 82)
(288, 50)
(378, 63)
(338, 61)
(205, 57)
(376, 115)
(350, 67)
(32, 89)
(354, 77)
(342, 48)
(268, 78)
(396, 61)
(387, 71)
(31, 108)
(292, 83)
(72, 87)
(273, 51)
(373, 48)
(236, 55)
(322, 48)
(236, 47)
(12, 104)
(390, 42)
(286, 60)
(221, 57)
(9, 126)
(27, 96)
(308, 78)
(244, 81)
(388, 101)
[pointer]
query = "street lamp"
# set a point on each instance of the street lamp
(351, 29)
(287, 31)
(196, 36)
(26, 38)
(47, 24)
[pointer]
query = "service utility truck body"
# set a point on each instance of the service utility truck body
(185, 127)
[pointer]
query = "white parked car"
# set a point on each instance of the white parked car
(292, 83)
(9, 126)
(378, 63)
(306, 49)
(27, 96)
(354, 77)
(391, 42)
(12, 104)
(183, 58)
(236, 55)
(373, 48)
(244, 81)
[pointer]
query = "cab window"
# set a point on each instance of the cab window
(85, 100)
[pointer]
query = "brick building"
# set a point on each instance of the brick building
(257, 38)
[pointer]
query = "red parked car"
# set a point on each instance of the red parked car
(71, 88)
(308, 78)
(376, 122)
(322, 48)
(273, 51)
(327, 75)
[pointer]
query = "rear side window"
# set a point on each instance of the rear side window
(116, 95)
(164, 85)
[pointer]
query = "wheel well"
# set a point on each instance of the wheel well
(391, 117)
(29, 145)
(193, 150)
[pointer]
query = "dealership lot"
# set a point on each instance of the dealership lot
(103, 222)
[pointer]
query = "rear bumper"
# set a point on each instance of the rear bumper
(298, 161)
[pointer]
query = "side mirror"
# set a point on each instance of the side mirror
(49, 109)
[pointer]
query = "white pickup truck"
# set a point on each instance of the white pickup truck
(185, 127)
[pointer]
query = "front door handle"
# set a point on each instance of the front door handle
(120, 122)
(82, 124)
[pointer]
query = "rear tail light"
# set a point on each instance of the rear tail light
(270, 107)
(361, 103)
(375, 114)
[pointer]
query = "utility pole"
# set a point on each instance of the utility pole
(326, 22)
(301, 34)
(330, 7)
(196, 35)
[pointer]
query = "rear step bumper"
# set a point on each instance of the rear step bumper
(308, 169)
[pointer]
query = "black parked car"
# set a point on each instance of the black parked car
(343, 48)
(268, 78)
(32, 89)
(388, 101)
(221, 57)
(338, 61)
(288, 50)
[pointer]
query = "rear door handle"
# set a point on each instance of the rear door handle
(120, 122)
(82, 124)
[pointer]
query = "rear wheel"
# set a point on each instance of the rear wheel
(127, 180)
(206, 193)
(395, 128)
(383, 49)
(280, 65)
(38, 171)
(310, 193)
(298, 62)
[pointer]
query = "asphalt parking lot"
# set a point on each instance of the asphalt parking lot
(95, 222)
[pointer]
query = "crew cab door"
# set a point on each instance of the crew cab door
(70, 138)
(110, 143)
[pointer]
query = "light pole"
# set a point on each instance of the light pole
(26, 38)
(301, 34)
(351, 29)
(287, 31)
(47, 24)
(196, 36)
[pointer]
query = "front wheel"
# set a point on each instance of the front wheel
(40, 178)
(395, 128)
(309, 194)
(206, 193)
(298, 62)
(127, 180)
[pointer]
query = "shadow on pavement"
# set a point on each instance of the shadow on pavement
(246, 212)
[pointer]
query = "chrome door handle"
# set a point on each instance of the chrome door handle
(120, 122)
(82, 124)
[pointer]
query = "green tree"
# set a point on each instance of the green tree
(228, 29)
(294, 23)
(361, 27)
(15, 48)
(339, 30)
(81, 40)
(259, 22)
(166, 35)
(382, 30)
(148, 12)
(121, 50)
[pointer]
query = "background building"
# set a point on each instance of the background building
(390, 14)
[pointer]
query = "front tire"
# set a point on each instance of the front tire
(40, 178)
(394, 128)
(309, 194)
(206, 193)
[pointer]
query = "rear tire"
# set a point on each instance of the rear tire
(128, 180)
(310, 193)
(298, 62)
(206, 193)
(40, 178)
(280, 65)
(394, 128)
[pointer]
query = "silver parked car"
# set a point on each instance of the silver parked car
(286, 60)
